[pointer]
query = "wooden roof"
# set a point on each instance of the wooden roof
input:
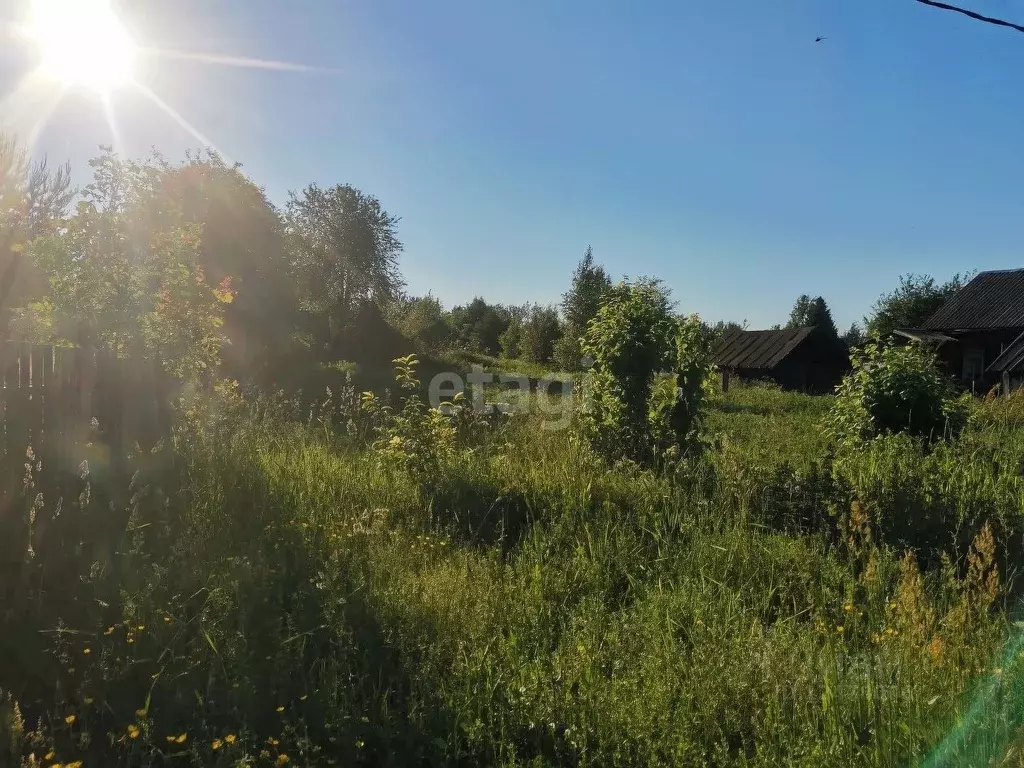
(761, 350)
(991, 301)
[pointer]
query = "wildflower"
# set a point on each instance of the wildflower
(265, 754)
(70, 719)
(360, 743)
(109, 631)
(217, 744)
(130, 640)
(49, 755)
(170, 739)
(839, 629)
(282, 759)
(180, 739)
(848, 608)
(141, 627)
(76, 764)
(133, 731)
(87, 651)
(280, 709)
(167, 619)
(140, 713)
(273, 742)
(231, 738)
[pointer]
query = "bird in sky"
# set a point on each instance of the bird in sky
(819, 39)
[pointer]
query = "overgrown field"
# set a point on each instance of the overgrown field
(289, 595)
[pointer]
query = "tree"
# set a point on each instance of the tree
(800, 315)
(916, 299)
(421, 319)
(580, 304)
(242, 241)
(478, 326)
(540, 330)
(854, 336)
(34, 201)
(821, 318)
(511, 340)
(345, 249)
(630, 341)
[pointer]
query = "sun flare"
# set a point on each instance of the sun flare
(82, 43)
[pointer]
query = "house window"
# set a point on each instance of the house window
(974, 365)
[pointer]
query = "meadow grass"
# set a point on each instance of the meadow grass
(297, 600)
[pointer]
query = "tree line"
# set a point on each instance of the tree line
(191, 264)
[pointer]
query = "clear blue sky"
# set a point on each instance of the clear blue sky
(711, 144)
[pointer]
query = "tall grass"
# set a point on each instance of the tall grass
(296, 600)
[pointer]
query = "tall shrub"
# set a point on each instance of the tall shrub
(895, 390)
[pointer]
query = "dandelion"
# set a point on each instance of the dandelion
(133, 731)
(70, 719)
(217, 744)
(839, 629)
(230, 738)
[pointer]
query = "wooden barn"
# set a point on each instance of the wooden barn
(977, 333)
(802, 359)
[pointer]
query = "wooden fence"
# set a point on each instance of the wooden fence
(54, 401)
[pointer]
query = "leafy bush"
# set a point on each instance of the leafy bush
(895, 390)
(652, 372)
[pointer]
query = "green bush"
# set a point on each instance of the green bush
(895, 389)
(650, 376)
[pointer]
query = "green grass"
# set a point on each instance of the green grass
(529, 606)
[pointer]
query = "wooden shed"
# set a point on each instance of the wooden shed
(802, 359)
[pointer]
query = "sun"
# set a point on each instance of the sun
(82, 43)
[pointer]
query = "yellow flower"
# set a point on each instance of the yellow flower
(217, 743)
(282, 759)
(181, 738)
(131, 640)
(87, 651)
(141, 627)
(167, 619)
(264, 754)
(839, 629)
(280, 709)
(49, 755)
(140, 713)
(133, 731)
(272, 741)
(230, 738)
(109, 631)
(170, 739)
(848, 607)
(76, 764)
(70, 719)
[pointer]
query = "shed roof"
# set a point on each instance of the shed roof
(758, 349)
(990, 301)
